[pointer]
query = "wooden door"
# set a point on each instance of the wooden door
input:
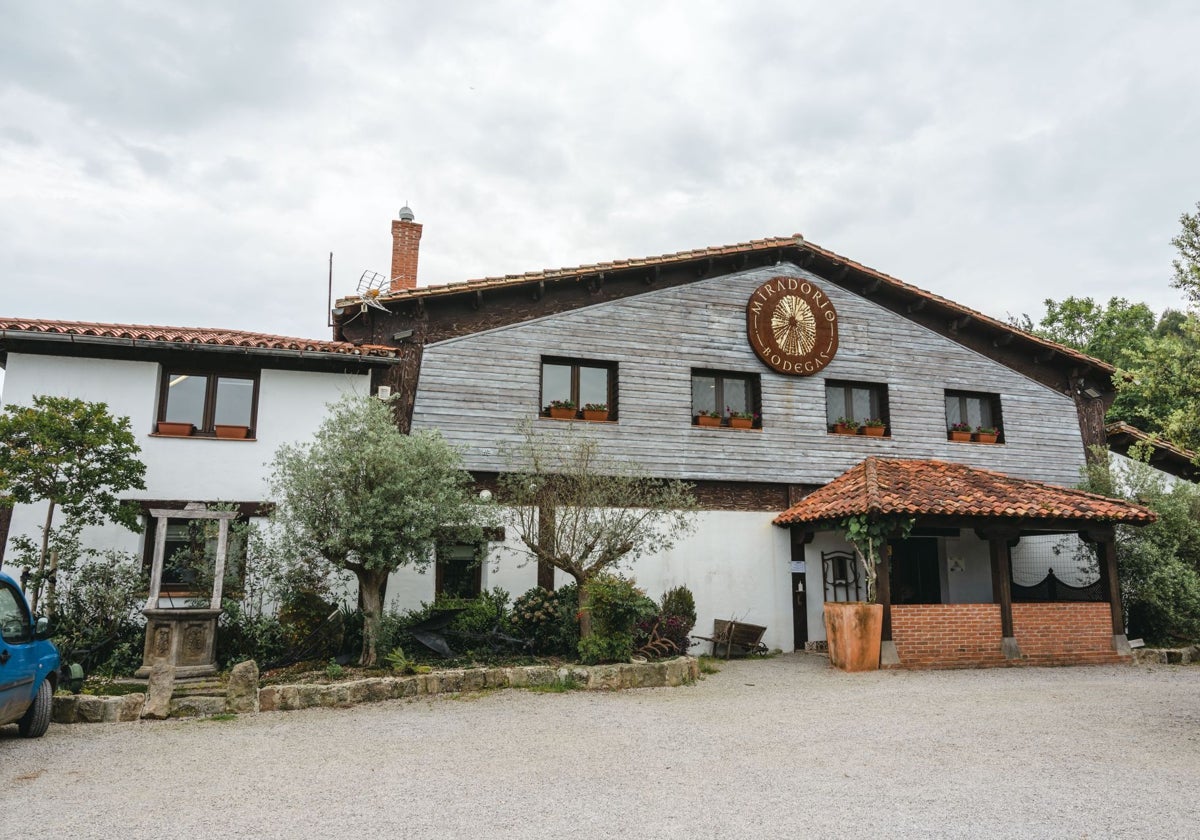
(799, 611)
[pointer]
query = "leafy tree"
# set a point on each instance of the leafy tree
(1187, 267)
(77, 457)
(1108, 332)
(576, 512)
(366, 498)
(1158, 564)
(1159, 389)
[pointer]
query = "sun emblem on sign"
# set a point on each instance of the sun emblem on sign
(794, 326)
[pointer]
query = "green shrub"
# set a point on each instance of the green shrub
(616, 606)
(548, 620)
(678, 602)
(96, 610)
(479, 617)
(668, 633)
(242, 635)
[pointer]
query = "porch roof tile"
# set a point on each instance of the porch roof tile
(943, 488)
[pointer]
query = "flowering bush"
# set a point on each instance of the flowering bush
(547, 619)
(961, 427)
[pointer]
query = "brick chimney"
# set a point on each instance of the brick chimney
(406, 242)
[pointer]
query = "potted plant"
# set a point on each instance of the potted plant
(959, 431)
(740, 419)
(986, 434)
(874, 427)
(595, 411)
(562, 409)
(232, 432)
(845, 426)
(854, 629)
(174, 429)
(708, 418)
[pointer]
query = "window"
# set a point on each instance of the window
(190, 550)
(459, 572)
(213, 404)
(576, 384)
(723, 396)
(860, 402)
(15, 624)
(974, 409)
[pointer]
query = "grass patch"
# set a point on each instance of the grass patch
(556, 687)
(708, 665)
(223, 716)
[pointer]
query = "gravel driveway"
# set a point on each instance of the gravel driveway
(783, 747)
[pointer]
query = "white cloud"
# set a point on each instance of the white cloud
(996, 156)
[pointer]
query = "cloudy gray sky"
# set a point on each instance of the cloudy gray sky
(195, 163)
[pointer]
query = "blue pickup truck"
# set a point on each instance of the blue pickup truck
(28, 664)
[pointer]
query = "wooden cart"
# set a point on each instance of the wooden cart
(735, 638)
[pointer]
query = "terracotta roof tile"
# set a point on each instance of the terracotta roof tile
(12, 327)
(942, 488)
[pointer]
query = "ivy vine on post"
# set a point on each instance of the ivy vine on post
(869, 536)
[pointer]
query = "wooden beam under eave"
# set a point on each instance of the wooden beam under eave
(1045, 356)
(872, 287)
(1002, 340)
(916, 306)
(960, 323)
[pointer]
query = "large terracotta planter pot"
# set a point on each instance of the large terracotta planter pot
(843, 429)
(874, 431)
(853, 630)
(980, 437)
(562, 413)
(959, 436)
(595, 415)
(705, 420)
(232, 432)
(741, 423)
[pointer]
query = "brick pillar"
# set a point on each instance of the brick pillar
(406, 243)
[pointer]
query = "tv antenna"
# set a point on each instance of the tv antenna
(371, 285)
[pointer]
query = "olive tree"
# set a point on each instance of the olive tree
(78, 458)
(579, 513)
(364, 497)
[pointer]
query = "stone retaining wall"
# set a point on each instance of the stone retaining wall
(83, 708)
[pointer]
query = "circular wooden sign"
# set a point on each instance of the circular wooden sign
(792, 326)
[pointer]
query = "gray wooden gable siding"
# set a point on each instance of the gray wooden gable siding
(478, 389)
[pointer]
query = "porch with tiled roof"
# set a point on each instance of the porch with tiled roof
(999, 510)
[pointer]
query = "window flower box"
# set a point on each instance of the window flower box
(232, 432)
(845, 426)
(874, 428)
(562, 409)
(708, 419)
(741, 423)
(985, 435)
(595, 412)
(175, 429)
(959, 432)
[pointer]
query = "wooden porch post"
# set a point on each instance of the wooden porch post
(1110, 584)
(998, 549)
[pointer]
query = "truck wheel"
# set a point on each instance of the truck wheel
(36, 719)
